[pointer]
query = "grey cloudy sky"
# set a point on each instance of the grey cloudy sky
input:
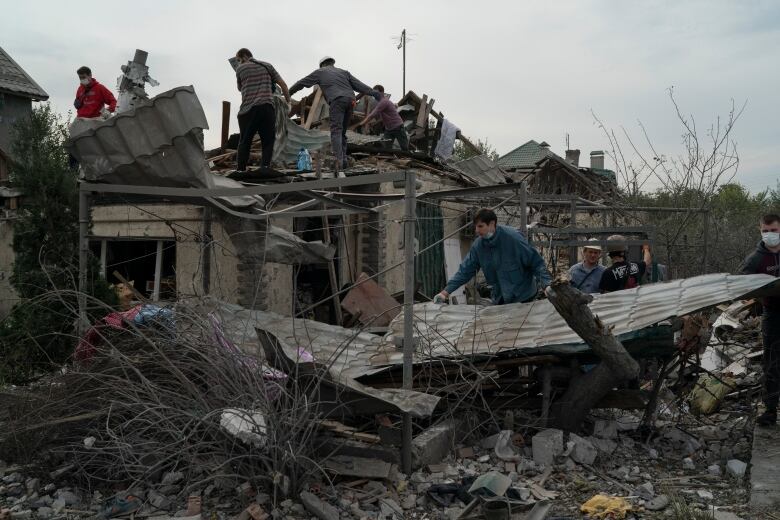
(505, 71)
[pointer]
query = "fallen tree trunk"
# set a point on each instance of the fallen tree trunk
(616, 366)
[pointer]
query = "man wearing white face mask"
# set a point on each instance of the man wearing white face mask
(513, 268)
(766, 259)
(92, 96)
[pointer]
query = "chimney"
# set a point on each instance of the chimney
(597, 159)
(573, 157)
(545, 145)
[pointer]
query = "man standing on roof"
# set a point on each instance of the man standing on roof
(514, 269)
(92, 96)
(586, 275)
(623, 274)
(338, 86)
(394, 125)
(766, 259)
(256, 115)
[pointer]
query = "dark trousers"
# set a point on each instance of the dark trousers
(770, 329)
(261, 119)
(399, 134)
(340, 115)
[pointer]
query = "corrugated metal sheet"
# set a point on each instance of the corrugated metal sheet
(453, 331)
(157, 144)
(346, 351)
(482, 170)
(429, 265)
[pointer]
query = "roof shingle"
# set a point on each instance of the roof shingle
(524, 156)
(15, 80)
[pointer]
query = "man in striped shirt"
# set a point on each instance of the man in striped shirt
(256, 115)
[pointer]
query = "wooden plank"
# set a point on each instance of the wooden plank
(225, 123)
(422, 112)
(315, 109)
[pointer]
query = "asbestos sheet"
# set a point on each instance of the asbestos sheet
(159, 143)
(481, 170)
(454, 331)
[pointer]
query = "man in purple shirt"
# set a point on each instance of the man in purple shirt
(394, 125)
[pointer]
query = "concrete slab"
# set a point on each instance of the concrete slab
(765, 459)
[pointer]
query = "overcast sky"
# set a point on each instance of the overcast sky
(502, 71)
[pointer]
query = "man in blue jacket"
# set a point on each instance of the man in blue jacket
(514, 269)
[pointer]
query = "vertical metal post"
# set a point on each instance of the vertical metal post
(157, 271)
(573, 224)
(546, 393)
(410, 199)
(706, 245)
(205, 251)
(103, 256)
(334, 284)
(84, 200)
(403, 43)
(524, 208)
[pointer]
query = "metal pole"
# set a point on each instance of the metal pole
(157, 271)
(83, 259)
(524, 208)
(403, 42)
(410, 198)
(205, 251)
(573, 224)
(705, 253)
(103, 258)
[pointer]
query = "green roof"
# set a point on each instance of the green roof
(525, 156)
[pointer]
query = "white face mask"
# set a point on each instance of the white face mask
(489, 235)
(771, 239)
(84, 81)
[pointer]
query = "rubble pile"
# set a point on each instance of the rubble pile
(166, 417)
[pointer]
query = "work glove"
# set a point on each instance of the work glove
(440, 298)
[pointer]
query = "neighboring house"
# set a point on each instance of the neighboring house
(549, 173)
(17, 92)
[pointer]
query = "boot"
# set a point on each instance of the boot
(768, 418)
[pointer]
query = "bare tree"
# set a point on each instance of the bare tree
(687, 179)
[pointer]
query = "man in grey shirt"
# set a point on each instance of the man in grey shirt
(338, 86)
(586, 275)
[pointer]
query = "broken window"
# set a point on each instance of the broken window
(140, 262)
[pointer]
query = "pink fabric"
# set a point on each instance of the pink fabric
(116, 320)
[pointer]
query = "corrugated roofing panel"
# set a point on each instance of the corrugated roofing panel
(156, 144)
(466, 330)
(482, 170)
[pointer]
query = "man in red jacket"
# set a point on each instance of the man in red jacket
(92, 96)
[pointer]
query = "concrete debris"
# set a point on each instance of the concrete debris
(547, 445)
(736, 468)
(584, 451)
(604, 429)
(246, 425)
(318, 508)
(658, 503)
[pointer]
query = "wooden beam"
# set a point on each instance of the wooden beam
(422, 112)
(315, 109)
(225, 123)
